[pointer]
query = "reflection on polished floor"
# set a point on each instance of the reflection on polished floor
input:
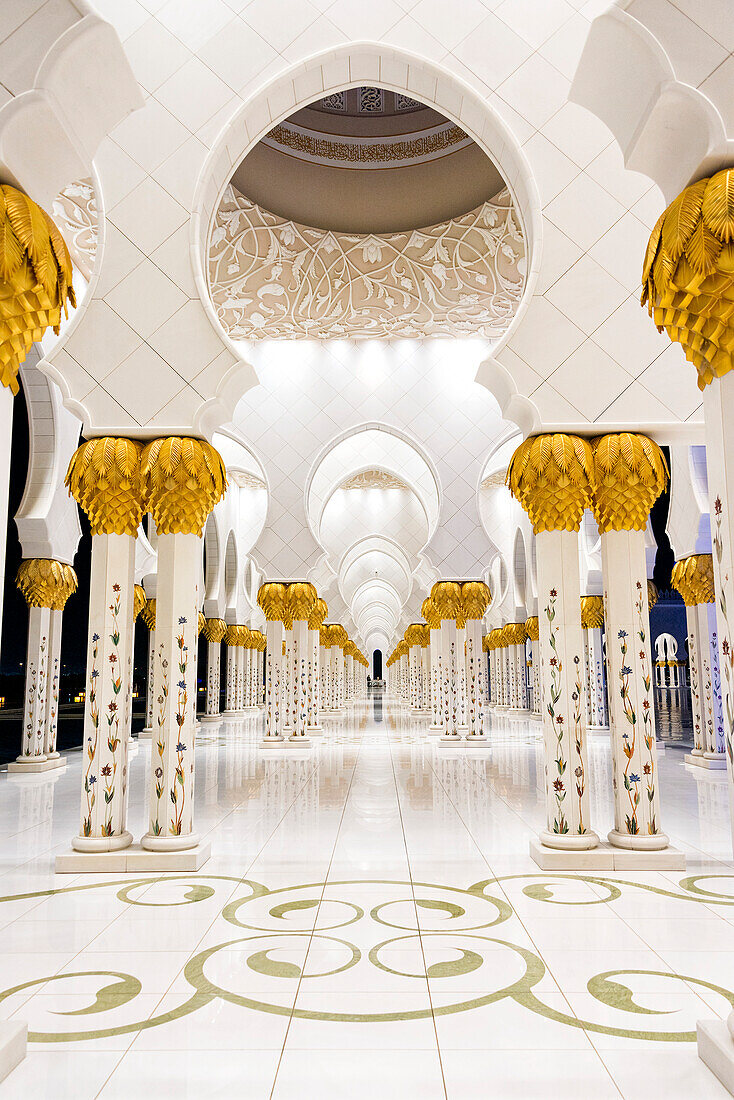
(369, 923)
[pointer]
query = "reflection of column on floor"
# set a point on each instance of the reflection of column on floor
(694, 578)
(46, 585)
(592, 621)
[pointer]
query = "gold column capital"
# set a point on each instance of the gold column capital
(318, 614)
(552, 478)
(35, 279)
(475, 599)
(45, 582)
(272, 599)
(446, 598)
(687, 274)
(694, 578)
(214, 630)
(429, 611)
(104, 477)
(139, 600)
(201, 623)
(630, 473)
(184, 478)
(592, 612)
(148, 614)
(532, 628)
(515, 633)
(302, 597)
(652, 595)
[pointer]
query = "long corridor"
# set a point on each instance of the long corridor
(369, 914)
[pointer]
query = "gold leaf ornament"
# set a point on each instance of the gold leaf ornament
(105, 479)
(214, 630)
(688, 274)
(532, 628)
(592, 612)
(694, 578)
(35, 279)
(552, 478)
(302, 598)
(184, 479)
(139, 600)
(45, 582)
(475, 599)
(148, 614)
(630, 473)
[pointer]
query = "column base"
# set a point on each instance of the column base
(568, 842)
(449, 739)
(600, 858)
(33, 764)
(434, 731)
(303, 742)
(314, 731)
(272, 742)
(146, 734)
(13, 1044)
(98, 844)
(638, 842)
(233, 714)
(479, 740)
(715, 762)
(134, 858)
(715, 1049)
(606, 858)
(210, 719)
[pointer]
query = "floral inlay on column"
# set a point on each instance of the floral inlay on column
(629, 474)
(105, 479)
(552, 477)
(184, 478)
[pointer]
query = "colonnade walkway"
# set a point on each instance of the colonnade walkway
(369, 924)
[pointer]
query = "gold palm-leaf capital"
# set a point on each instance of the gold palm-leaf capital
(105, 479)
(35, 279)
(688, 274)
(630, 473)
(592, 612)
(475, 599)
(45, 582)
(272, 599)
(532, 628)
(184, 478)
(214, 630)
(552, 478)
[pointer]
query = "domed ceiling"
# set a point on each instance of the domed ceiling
(366, 215)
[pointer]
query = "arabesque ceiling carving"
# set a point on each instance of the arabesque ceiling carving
(274, 278)
(374, 479)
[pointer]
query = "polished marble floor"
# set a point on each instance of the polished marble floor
(369, 924)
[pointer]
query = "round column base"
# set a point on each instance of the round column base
(718, 756)
(476, 739)
(314, 731)
(568, 842)
(153, 843)
(40, 759)
(145, 734)
(102, 843)
(434, 731)
(296, 739)
(210, 719)
(638, 842)
(52, 755)
(272, 742)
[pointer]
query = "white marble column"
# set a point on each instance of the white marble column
(103, 825)
(562, 684)
(272, 598)
(230, 671)
(36, 680)
(597, 709)
(215, 631)
(179, 503)
(437, 726)
(148, 617)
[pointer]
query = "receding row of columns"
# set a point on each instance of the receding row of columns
(312, 668)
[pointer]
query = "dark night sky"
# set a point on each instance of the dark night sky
(15, 615)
